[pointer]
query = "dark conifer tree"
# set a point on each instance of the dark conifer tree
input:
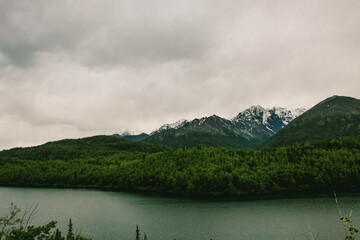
(70, 230)
(58, 234)
(137, 233)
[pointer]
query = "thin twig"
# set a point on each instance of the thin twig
(32, 213)
(24, 215)
(351, 211)
(340, 215)
(310, 232)
(8, 220)
(337, 205)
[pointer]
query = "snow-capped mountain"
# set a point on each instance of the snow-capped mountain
(134, 136)
(260, 115)
(125, 133)
(178, 124)
(249, 128)
(272, 120)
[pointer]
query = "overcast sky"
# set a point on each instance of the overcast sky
(71, 69)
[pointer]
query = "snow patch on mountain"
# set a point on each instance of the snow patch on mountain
(202, 120)
(127, 133)
(176, 125)
(288, 115)
(272, 118)
(250, 124)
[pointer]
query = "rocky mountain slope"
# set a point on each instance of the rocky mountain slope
(248, 129)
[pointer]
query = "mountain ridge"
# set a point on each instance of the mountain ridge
(248, 129)
(333, 117)
(258, 127)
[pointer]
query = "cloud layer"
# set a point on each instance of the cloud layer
(73, 69)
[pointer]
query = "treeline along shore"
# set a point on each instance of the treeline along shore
(106, 162)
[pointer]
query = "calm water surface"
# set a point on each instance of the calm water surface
(113, 215)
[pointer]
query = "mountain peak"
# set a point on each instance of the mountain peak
(249, 128)
(211, 118)
(337, 99)
(167, 126)
(333, 117)
(271, 120)
(134, 137)
(125, 133)
(256, 108)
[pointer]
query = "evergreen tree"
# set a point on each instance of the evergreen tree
(70, 230)
(58, 234)
(137, 233)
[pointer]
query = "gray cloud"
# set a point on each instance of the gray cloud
(107, 33)
(73, 69)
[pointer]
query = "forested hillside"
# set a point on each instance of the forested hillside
(334, 117)
(68, 149)
(123, 165)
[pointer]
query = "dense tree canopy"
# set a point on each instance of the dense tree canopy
(320, 166)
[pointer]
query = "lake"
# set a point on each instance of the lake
(114, 215)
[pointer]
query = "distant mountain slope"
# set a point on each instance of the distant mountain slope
(261, 124)
(207, 131)
(80, 148)
(135, 137)
(332, 118)
(248, 129)
(176, 125)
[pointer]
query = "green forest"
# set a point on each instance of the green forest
(110, 163)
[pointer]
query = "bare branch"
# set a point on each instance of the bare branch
(351, 211)
(310, 232)
(340, 215)
(24, 215)
(337, 205)
(34, 210)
